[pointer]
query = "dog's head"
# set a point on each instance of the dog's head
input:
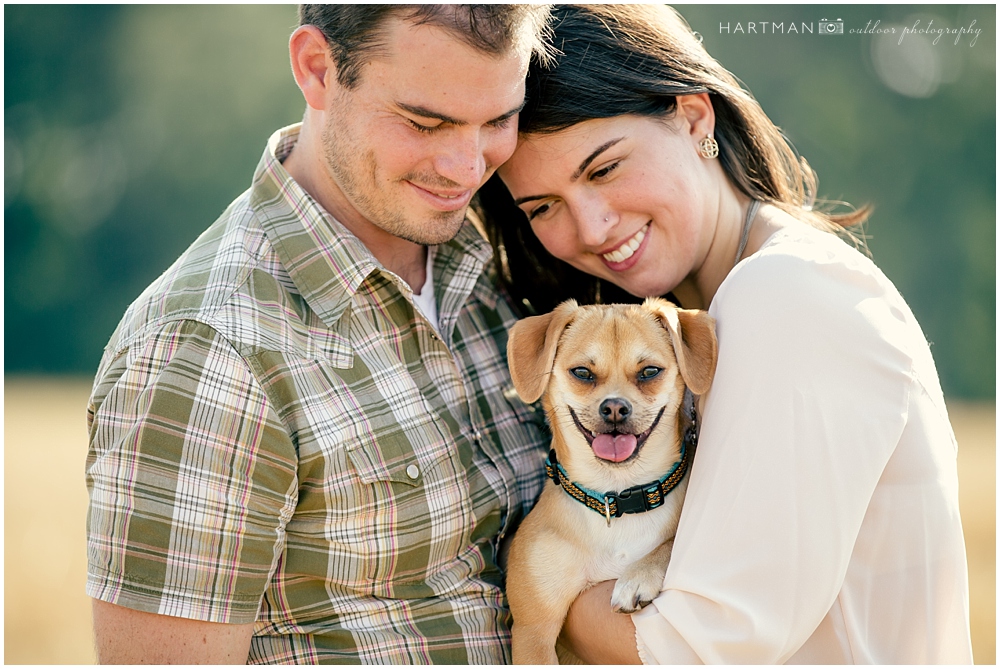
(612, 381)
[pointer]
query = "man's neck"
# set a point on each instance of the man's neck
(402, 257)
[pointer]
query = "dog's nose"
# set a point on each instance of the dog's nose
(615, 409)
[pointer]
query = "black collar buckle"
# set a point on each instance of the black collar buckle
(632, 500)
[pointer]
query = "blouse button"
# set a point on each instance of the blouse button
(413, 471)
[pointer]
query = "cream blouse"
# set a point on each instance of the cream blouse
(821, 523)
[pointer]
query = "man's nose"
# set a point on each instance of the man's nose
(462, 160)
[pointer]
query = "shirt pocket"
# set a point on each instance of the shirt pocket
(418, 516)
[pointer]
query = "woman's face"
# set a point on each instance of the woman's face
(627, 199)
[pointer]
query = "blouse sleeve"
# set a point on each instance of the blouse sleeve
(807, 405)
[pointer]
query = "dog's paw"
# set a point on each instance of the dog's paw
(635, 590)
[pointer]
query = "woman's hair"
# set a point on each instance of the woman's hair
(614, 60)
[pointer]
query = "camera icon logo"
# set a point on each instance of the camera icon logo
(831, 27)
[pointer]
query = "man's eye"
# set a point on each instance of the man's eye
(582, 373)
(422, 128)
(647, 373)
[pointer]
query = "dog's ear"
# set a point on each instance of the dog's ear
(695, 346)
(531, 349)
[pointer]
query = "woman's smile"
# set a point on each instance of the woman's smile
(626, 199)
(626, 254)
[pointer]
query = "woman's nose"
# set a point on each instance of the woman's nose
(594, 226)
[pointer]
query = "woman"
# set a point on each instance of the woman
(821, 521)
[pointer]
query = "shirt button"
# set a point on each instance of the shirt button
(413, 471)
(477, 435)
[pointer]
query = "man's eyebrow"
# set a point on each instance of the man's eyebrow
(512, 112)
(423, 112)
(589, 159)
(579, 171)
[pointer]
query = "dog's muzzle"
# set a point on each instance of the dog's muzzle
(637, 499)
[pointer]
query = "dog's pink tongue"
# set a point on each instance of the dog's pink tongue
(614, 448)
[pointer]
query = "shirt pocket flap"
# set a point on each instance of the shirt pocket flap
(390, 457)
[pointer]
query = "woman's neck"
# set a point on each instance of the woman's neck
(698, 290)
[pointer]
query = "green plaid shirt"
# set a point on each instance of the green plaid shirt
(276, 435)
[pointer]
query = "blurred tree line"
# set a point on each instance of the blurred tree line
(128, 129)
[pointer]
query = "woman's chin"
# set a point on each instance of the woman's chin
(637, 287)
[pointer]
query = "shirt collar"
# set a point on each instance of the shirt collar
(326, 261)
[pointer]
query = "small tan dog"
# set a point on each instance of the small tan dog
(612, 379)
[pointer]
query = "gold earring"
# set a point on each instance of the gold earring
(708, 147)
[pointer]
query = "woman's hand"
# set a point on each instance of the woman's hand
(595, 633)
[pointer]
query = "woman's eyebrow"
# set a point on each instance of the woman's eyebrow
(580, 170)
(521, 200)
(589, 159)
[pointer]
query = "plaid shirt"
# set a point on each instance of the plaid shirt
(277, 435)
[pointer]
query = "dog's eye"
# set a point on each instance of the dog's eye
(582, 373)
(646, 373)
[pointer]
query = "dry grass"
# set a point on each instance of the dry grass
(47, 614)
(976, 429)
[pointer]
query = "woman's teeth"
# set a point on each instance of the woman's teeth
(626, 250)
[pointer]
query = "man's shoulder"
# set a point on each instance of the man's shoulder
(229, 279)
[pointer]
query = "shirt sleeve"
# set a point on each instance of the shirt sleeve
(192, 479)
(807, 405)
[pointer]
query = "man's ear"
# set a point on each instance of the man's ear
(312, 65)
(531, 349)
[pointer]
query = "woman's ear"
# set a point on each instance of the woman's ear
(312, 65)
(699, 113)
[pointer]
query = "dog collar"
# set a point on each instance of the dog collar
(638, 498)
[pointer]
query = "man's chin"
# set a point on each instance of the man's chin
(438, 230)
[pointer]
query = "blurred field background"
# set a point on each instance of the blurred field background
(128, 129)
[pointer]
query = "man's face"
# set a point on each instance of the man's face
(428, 122)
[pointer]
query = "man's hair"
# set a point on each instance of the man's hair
(356, 33)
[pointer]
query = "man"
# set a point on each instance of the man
(304, 443)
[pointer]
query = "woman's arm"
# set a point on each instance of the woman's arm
(808, 403)
(596, 633)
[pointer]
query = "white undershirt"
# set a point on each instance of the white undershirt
(424, 299)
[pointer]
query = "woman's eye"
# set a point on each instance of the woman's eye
(538, 211)
(605, 171)
(582, 373)
(647, 373)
